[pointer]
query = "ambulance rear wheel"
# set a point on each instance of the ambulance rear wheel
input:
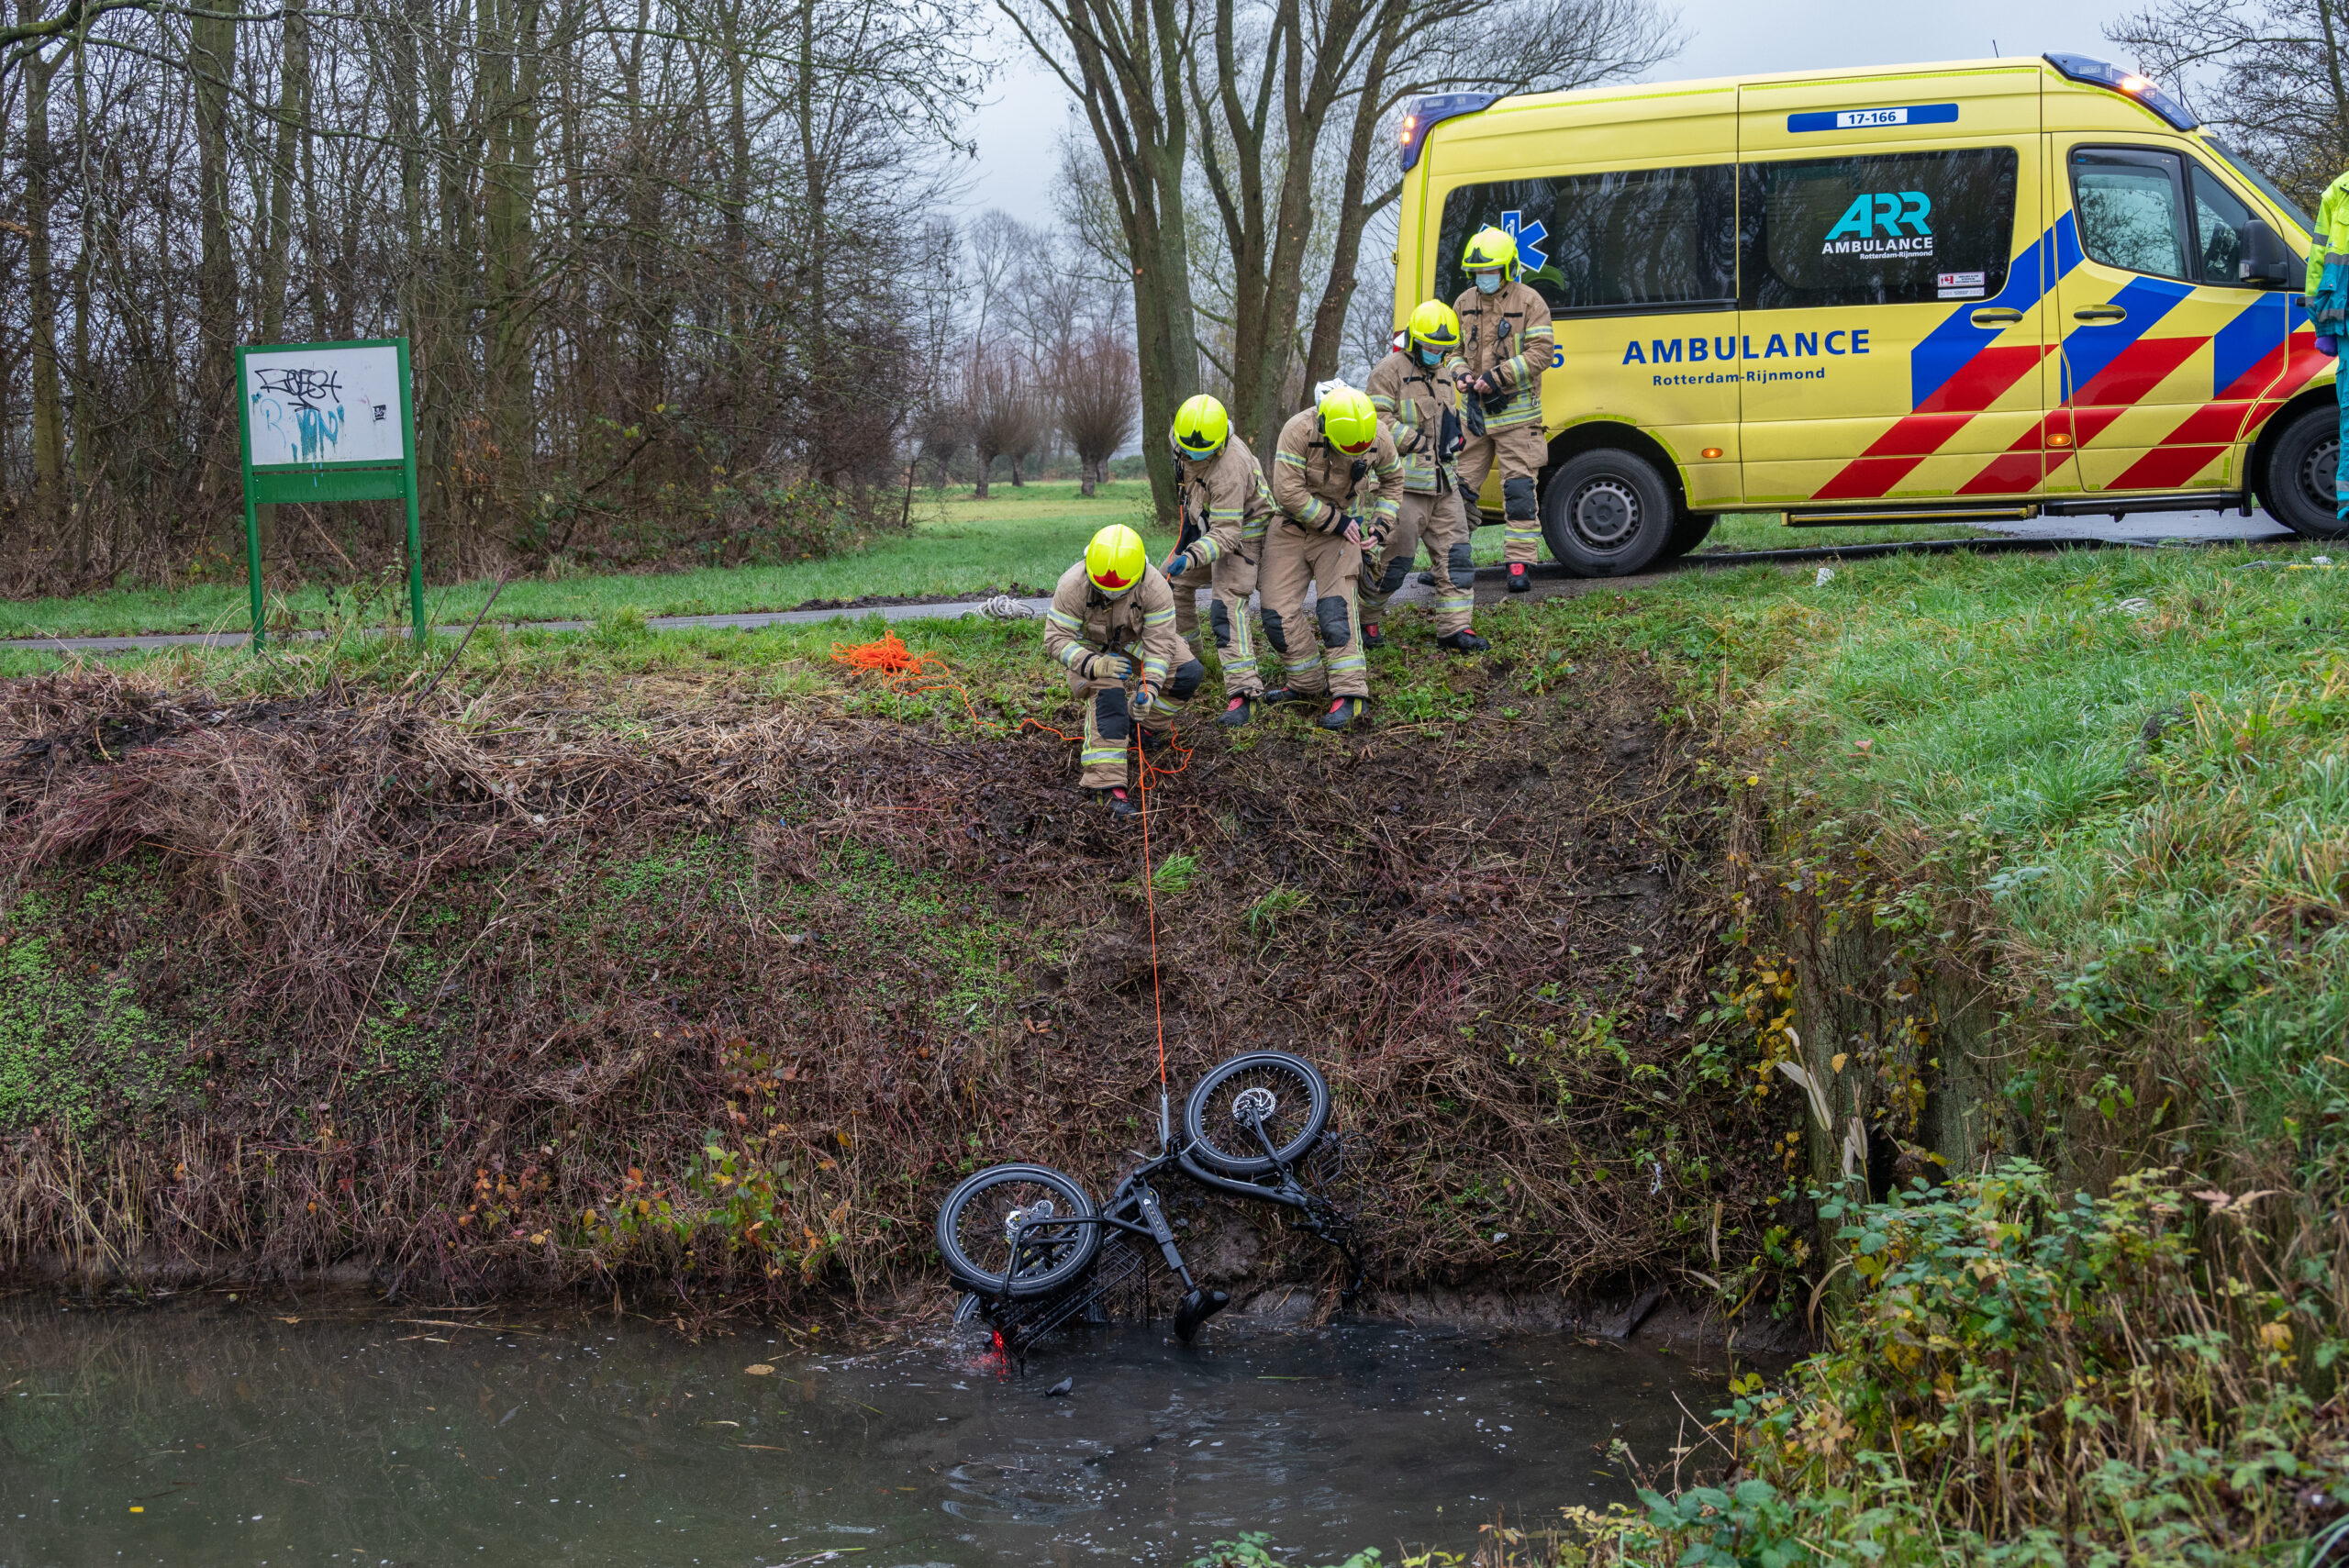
(2298, 487)
(1606, 514)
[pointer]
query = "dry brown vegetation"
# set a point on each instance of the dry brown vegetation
(538, 989)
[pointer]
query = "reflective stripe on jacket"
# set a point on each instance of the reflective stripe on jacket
(1315, 485)
(1412, 398)
(1507, 335)
(1224, 501)
(1084, 621)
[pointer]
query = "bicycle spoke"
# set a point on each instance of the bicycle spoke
(1284, 1103)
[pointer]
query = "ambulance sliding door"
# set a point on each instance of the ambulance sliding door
(1624, 212)
(1891, 289)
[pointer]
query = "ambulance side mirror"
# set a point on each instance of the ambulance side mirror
(2264, 258)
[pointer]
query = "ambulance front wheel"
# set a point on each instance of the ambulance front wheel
(2298, 487)
(1607, 514)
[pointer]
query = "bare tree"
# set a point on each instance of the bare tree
(1003, 416)
(616, 238)
(1256, 94)
(1097, 404)
(2272, 74)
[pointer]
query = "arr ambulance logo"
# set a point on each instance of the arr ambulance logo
(1873, 224)
(1530, 257)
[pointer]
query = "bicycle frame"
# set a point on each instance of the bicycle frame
(1134, 1210)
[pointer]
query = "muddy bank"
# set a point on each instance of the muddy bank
(661, 991)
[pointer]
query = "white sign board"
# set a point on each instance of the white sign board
(314, 406)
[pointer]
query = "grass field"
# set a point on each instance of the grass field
(1018, 539)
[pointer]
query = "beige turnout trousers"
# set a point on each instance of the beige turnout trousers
(1440, 523)
(1294, 557)
(1520, 454)
(1229, 580)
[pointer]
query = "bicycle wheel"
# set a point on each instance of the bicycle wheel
(976, 1222)
(1286, 1093)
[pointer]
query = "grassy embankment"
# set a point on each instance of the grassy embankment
(2111, 792)
(1018, 539)
(697, 964)
(2114, 788)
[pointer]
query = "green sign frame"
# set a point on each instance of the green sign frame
(361, 479)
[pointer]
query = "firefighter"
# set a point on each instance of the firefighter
(1338, 483)
(2327, 293)
(1225, 506)
(1413, 389)
(1111, 626)
(1506, 344)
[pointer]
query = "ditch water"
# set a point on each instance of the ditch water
(210, 1431)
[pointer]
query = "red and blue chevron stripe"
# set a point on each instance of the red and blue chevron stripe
(1960, 368)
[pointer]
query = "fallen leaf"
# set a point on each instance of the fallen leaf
(760, 1369)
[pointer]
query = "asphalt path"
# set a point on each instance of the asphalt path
(2165, 529)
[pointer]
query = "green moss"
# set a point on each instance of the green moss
(73, 1051)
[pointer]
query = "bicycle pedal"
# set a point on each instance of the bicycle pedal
(1196, 1309)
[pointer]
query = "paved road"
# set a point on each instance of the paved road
(2201, 527)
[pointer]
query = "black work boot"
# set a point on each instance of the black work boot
(1462, 642)
(1520, 580)
(1341, 714)
(1120, 805)
(1371, 636)
(1236, 712)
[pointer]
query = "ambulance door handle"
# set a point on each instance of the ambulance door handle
(2100, 313)
(1995, 316)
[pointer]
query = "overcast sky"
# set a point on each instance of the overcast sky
(1019, 133)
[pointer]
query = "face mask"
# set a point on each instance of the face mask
(1430, 357)
(1488, 283)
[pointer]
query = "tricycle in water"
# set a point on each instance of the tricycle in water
(1026, 1242)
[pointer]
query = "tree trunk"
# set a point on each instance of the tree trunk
(292, 131)
(510, 82)
(49, 401)
(1337, 291)
(1129, 63)
(212, 59)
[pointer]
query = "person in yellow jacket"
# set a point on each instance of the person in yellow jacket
(1338, 483)
(1112, 627)
(1414, 391)
(1226, 506)
(2328, 289)
(1507, 341)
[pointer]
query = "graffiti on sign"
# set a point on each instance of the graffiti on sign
(322, 406)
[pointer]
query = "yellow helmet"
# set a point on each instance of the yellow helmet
(1435, 325)
(1115, 559)
(1490, 250)
(1348, 422)
(1201, 427)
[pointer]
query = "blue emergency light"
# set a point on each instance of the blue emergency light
(1437, 106)
(2102, 73)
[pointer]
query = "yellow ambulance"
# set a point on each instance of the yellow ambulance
(1935, 293)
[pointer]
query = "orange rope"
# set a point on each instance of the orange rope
(914, 674)
(1150, 902)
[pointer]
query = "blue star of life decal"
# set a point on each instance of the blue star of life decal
(1530, 257)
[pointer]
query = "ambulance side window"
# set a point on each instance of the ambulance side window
(1621, 243)
(2220, 220)
(1892, 228)
(2131, 209)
